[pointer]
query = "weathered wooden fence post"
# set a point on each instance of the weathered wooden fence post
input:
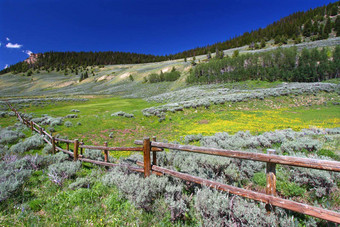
(271, 179)
(31, 125)
(146, 156)
(53, 144)
(106, 152)
(81, 149)
(154, 153)
(40, 130)
(75, 151)
(67, 146)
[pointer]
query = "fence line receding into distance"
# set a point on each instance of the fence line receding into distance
(149, 166)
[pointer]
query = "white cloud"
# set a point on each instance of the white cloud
(6, 66)
(11, 45)
(7, 39)
(28, 52)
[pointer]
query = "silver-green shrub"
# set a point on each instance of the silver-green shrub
(321, 182)
(8, 136)
(141, 191)
(176, 200)
(198, 96)
(119, 113)
(33, 142)
(68, 124)
(14, 171)
(81, 182)
(216, 208)
(47, 149)
(59, 172)
(301, 144)
(48, 120)
(71, 116)
(86, 182)
(94, 154)
(122, 114)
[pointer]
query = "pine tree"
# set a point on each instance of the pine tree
(221, 54)
(161, 76)
(334, 10)
(337, 26)
(263, 43)
(236, 53)
(217, 54)
(328, 26)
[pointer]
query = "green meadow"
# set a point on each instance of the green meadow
(95, 123)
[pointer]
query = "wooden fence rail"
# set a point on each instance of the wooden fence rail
(150, 167)
(269, 198)
(278, 159)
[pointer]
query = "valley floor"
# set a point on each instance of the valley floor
(39, 201)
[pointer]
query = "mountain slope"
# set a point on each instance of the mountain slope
(115, 79)
(314, 24)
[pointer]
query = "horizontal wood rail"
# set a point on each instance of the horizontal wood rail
(64, 140)
(112, 148)
(275, 201)
(118, 148)
(279, 159)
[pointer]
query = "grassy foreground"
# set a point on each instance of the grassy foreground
(40, 202)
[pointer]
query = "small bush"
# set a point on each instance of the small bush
(129, 116)
(71, 116)
(94, 154)
(33, 142)
(9, 136)
(59, 172)
(14, 171)
(68, 124)
(119, 113)
(80, 183)
(47, 120)
(47, 149)
(219, 209)
(141, 191)
(122, 114)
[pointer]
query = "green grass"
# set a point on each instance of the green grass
(42, 203)
(257, 116)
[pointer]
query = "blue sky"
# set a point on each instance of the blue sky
(143, 26)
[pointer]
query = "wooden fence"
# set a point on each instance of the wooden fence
(150, 167)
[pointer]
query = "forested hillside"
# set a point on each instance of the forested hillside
(314, 24)
(284, 64)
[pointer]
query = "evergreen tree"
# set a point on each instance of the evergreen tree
(209, 55)
(217, 54)
(236, 53)
(307, 28)
(161, 76)
(263, 43)
(337, 26)
(334, 10)
(328, 26)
